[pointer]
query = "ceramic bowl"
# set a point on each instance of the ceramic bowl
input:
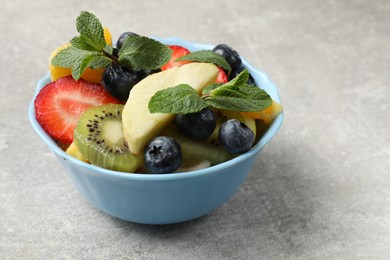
(166, 198)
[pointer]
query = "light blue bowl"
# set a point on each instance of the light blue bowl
(167, 198)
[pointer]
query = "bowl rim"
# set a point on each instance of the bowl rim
(258, 75)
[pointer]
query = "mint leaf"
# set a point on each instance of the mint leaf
(238, 96)
(82, 42)
(108, 49)
(228, 92)
(240, 79)
(242, 98)
(240, 104)
(79, 68)
(206, 56)
(91, 30)
(76, 59)
(228, 103)
(181, 99)
(139, 52)
(210, 88)
(100, 61)
(255, 93)
(234, 84)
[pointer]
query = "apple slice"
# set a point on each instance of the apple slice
(139, 125)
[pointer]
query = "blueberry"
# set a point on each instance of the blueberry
(119, 80)
(235, 136)
(162, 155)
(235, 72)
(197, 126)
(122, 38)
(230, 55)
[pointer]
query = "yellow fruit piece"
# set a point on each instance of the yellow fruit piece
(268, 114)
(57, 72)
(74, 151)
(139, 125)
(91, 75)
(107, 36)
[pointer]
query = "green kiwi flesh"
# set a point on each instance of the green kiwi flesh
(99, 138)
(203, 150)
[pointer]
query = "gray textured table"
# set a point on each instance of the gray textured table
(321, 188)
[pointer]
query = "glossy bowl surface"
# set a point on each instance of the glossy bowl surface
(167, 198)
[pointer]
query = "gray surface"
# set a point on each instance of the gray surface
(321, 188)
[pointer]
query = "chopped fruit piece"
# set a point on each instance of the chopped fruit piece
(178, 51)
(74, 151)
(57, 72)
(99, 138)
(59, 105)
(139, 125)
(107, 36)
(62, 145)
(222, 77)
(268, 114)
(91, 75)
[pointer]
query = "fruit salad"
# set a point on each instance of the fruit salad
(141, 106)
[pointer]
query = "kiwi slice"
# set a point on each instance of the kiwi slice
(198, 151)
(100, 140)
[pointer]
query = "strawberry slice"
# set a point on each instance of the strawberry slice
(178, 51)
(222, 77)
(59, 105)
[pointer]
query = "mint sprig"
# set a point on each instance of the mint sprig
(140, 52)
(206, 56)
(90, 50)
(235, 95)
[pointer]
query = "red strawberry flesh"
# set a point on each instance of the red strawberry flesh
(59, 105)
(222, 77)
(178, 51)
